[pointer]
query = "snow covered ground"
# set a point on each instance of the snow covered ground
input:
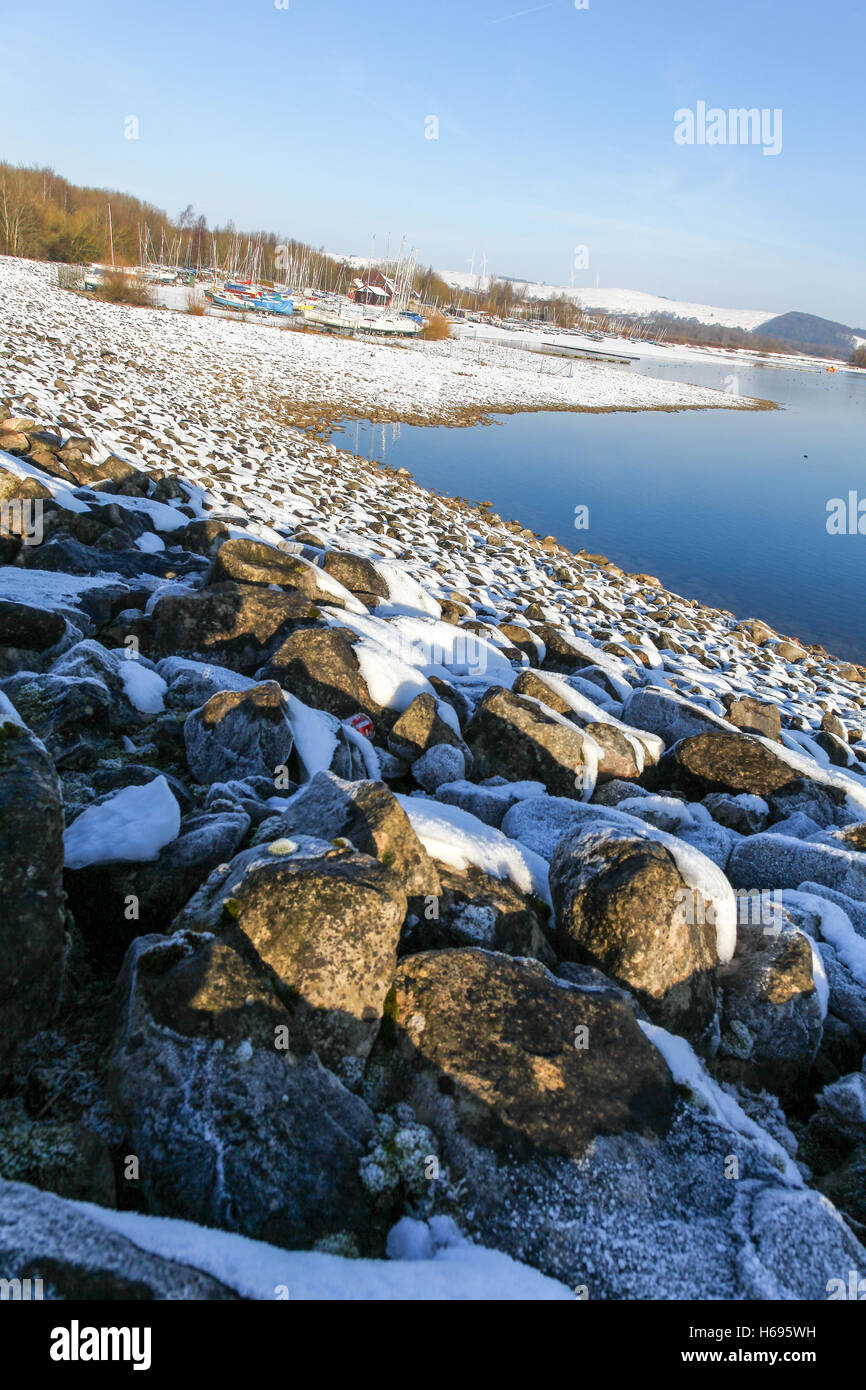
(179, 363)
(428, 1261)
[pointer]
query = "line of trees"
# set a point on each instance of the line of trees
(44, 217)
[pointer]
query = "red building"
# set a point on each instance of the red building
(372, 288)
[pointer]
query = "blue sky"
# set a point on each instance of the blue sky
(555, 131)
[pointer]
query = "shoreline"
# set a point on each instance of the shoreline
(313, 422)
(486, 415)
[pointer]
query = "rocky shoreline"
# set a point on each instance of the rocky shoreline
(387, 885)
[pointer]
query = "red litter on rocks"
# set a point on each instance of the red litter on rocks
(362, 724)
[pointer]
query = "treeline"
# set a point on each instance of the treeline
(505, 299)
(46, 218)
(43, 217)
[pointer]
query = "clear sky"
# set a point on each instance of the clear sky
(555, 130)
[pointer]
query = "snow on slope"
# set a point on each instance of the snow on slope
(613, 301)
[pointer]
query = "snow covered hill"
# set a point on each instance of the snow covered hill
(619, 301)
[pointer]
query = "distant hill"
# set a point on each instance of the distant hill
(812, 334)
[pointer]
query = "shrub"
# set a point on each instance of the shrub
(435, 329)
(116, 288)
(195, 303)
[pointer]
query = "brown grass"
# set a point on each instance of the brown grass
(435, 329)
(117, 288)
(195, 303)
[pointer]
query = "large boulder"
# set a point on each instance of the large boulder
(320, 667)
(78, 1257)
(474, 909)
(357, 574)
(71, 715)
(723, 761)
(365, 813)
(643, 1218)
(239, 734)
(514, 1060)
(419, 728)
(754, 716)
(781, 861)
(669, 715)
(247, 561)
(516, 737)
(326, 920)
(234, 1122)
(771, 1016)
(237, 625)
(32, 936)
(623, 903)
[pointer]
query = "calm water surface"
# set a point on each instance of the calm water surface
(725, 506)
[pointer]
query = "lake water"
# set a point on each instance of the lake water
(729, 507)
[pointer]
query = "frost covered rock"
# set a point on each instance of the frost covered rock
(135, 687)
(517, 737)
(326, 920)
(32, 937)
(748, 815)
(239, 734)
(514, 1061)
(669, 715)
(320, 667)
(83, 1259)
(753, 716)
(726, 762)
(778, 861)
(235, 1123)
(771, 1016)
(714, 1209)
(420, 727)
(237, 625)
(190, 684)
(489, 801)
(540, 822)
(70, 716)
(844, 1104)
(247, 561)
(440, 764)
(368, 815)
(835, 1144)
(624, 905)
(475, 909)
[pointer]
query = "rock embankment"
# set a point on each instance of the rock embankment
(366, 858)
